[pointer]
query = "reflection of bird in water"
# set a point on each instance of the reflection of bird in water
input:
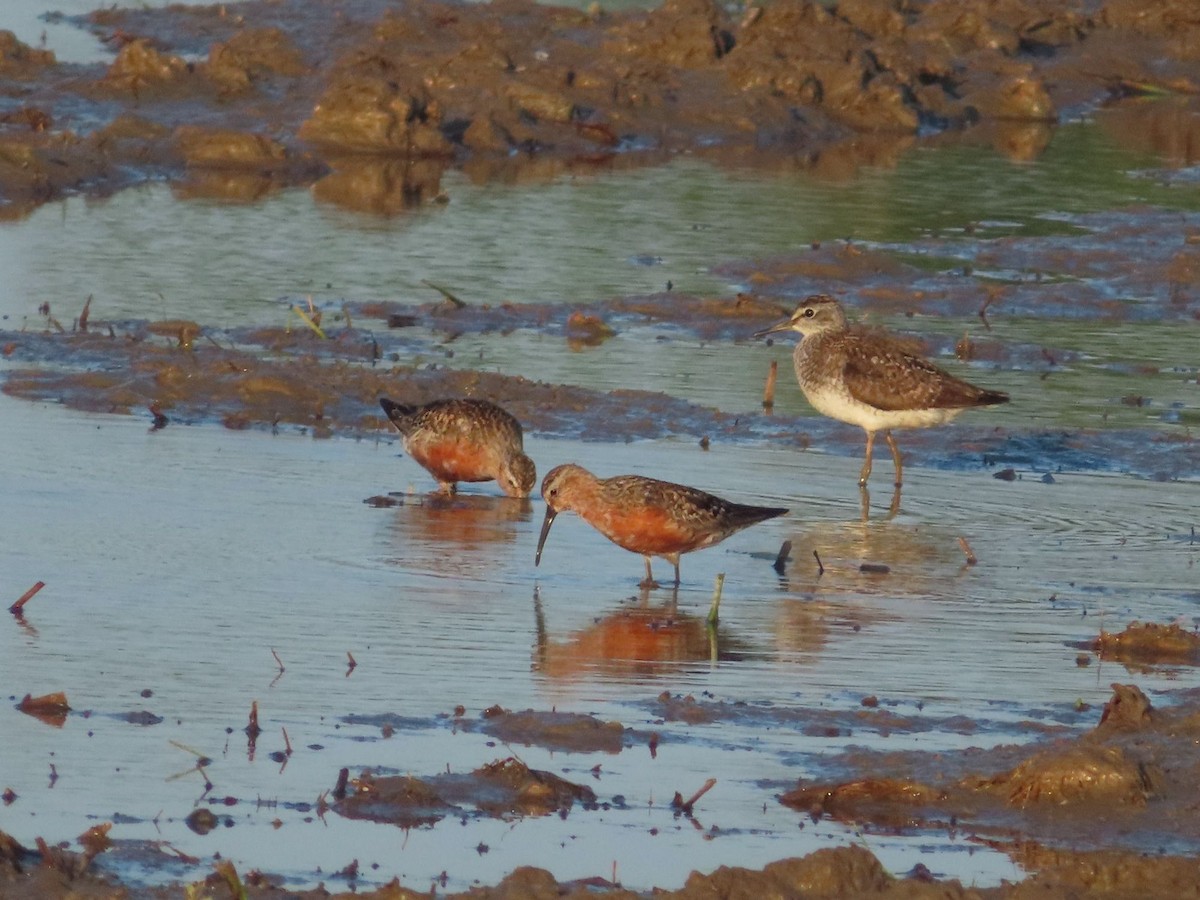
(644, 515)
(633, 642)
(469, 522)
(868, 379)
(465, 440)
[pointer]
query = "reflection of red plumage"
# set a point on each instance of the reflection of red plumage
(634, 642)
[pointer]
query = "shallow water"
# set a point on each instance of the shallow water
(177, 560)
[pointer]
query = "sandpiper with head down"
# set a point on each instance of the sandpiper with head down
(644, 515)
(868, 378)
(465, 440)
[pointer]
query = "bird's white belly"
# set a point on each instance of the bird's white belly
(838, 404)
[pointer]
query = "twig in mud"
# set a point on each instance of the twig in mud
(183, 857)
(769, 389)
(309, 322)
(83, 316)
(992, 296)
(16, 608)
(966, 548)
(454, 301)
(716, 600)
(353, 663)
(252, 728)
(339, 789)
(780, 564)
(686, 806)
(201, 759)
(820, 567)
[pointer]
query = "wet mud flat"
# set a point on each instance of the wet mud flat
(1101, 811)
(371, 102)
(1018, 313)
(1090, 799)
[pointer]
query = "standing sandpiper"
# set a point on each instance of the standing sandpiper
(645, 515)
(465, 440)
(867, 378)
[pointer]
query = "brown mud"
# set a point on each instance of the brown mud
(1099, 813)
(373, 102)
(323, 376)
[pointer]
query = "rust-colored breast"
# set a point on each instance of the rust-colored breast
(453, 460)
(647, 529)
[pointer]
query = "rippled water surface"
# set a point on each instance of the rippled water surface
(177, 561)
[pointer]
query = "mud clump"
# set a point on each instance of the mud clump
(18, 59)
(1124, 784)
(502, 788)
(572, 732)
(498, 88)
(1148, 643)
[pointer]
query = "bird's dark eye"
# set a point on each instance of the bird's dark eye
(809, 313)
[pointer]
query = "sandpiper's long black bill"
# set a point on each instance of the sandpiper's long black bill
(551, 512)
(785, 325)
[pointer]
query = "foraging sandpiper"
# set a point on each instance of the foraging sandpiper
(465, 440)
(644, 515)
(867, 378)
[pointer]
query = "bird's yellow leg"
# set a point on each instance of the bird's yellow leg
(866, 468)
(891, 441)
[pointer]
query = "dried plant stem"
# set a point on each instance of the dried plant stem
(15, 609)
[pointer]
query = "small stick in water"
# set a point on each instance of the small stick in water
(252, 728)
(769, 390)
(820, 567)
(966, 548)
(686, 806)
(781, 560)
(716, 600)
(15, 609)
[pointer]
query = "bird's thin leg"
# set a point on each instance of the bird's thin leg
(649, 581)
(891, 441)
(866, 469)
(676, 561)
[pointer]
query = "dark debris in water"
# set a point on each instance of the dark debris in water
(503, 788)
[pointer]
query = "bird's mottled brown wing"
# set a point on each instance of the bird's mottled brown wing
(469, 420)
(694, 510)
(879, 372)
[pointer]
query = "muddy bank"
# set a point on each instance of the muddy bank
(1104, 812)
(1123, 785)
(323, 375)
(238, 100)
